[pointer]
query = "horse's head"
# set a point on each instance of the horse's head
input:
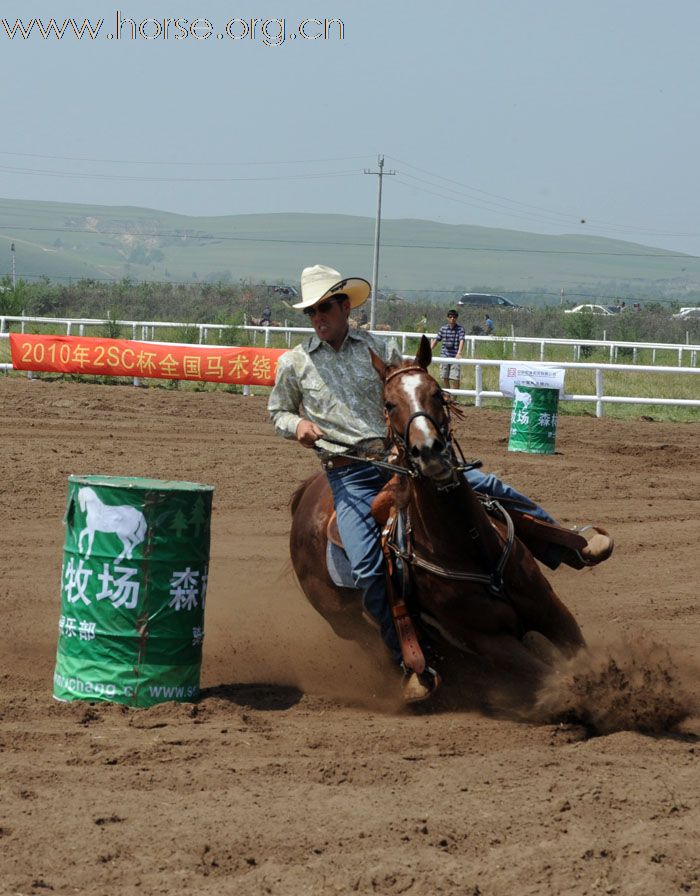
(417, 415)
(84, 495)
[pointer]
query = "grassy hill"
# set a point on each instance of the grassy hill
(418, 258)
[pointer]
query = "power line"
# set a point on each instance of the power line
(473, 203)
(79, 175)
(159, 162)
(566, 217)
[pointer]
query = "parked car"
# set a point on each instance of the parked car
(688, 313)
(590, 309)
(485, 300)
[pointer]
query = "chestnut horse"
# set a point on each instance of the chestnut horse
(469, 588)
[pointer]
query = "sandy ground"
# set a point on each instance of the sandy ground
(291, 775)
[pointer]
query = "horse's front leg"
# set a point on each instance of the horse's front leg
(90, 537)
(508, 654)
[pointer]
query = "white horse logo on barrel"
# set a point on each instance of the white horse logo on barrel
(523, 397)
(126, 522)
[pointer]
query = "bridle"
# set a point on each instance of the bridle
(452, 451)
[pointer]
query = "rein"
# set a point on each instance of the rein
(381, 464)
(494, 581)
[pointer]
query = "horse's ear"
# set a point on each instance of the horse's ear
(378, 365)
(424, 355)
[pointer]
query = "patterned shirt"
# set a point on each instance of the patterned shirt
(339, 391)
(450, 338)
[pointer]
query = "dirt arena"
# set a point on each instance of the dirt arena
(294, 774)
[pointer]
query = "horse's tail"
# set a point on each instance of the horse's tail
(141, 528)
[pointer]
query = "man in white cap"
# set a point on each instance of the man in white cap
(330, 376)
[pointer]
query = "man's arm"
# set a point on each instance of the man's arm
(284, 404)
(460, 347)
(285, 400)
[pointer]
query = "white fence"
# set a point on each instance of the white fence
(146, 330)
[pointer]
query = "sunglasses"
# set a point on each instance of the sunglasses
(323, 307)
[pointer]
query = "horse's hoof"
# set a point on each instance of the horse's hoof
(418, 688)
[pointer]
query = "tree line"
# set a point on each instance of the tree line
(235, 304)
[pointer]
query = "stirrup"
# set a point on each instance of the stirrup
(604, 550)
(417, 688)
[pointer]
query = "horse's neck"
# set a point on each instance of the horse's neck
(445, 523)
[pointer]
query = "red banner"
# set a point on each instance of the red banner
(124, 357)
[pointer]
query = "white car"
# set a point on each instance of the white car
(590, 309)
(688, 313)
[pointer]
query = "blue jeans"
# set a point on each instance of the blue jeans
(354, 488)
(488, 484)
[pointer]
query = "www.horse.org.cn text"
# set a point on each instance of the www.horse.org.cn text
(269, 32)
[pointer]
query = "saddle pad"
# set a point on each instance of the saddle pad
(339, 566)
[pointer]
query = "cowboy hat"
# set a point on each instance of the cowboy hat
(319, 283)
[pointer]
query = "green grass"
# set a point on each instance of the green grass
(66, 241)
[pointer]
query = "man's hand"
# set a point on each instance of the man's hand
(308, 433)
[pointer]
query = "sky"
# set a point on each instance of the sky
(550, 117)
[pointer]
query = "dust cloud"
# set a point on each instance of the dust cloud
(623, 686)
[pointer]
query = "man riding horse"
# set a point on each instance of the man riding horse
(328, 397)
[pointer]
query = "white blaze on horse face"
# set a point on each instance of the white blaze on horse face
(410, 386)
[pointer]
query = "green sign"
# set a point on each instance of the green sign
(533, 422)
(133, 589)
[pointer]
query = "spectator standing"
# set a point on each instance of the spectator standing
(489, 326)
(451, 335)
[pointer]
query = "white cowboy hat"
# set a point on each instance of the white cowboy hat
(319, 283)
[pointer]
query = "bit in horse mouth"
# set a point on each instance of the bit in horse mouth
(439, 470)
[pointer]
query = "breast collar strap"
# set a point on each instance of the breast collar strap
(494, 581)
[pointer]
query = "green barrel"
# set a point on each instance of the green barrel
(533, 422)
(133, 588)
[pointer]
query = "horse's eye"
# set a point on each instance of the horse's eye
(389, 406)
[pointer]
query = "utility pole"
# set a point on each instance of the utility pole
(375, 275)
(12, 250)
(561, 296)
